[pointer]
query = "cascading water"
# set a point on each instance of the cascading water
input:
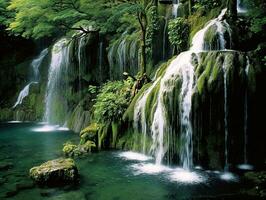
(139, 115)
(225, 117)
(245, 165)
(81, 60)
(246, 113)
(36, 65)
(123, 56)
(180, 69)
(240, 8)
(175, 8)
(35, 79)
(101, 59)
(198, 41)
(134, 57)
(55, 102)
(23, 93)
(122, 53)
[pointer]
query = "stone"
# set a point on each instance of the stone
(69, 149)
(55, 172)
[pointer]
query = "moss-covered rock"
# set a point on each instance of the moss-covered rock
(55, 172)
(69, 149)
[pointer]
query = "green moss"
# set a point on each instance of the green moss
(69, 148)
(88, 147)
(151, 102)
(129, 113)
(202, 81)
(92, 128)
(102, 136)
(211, 37)
(115, 127)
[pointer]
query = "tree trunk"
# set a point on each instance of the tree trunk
(143, 52)
(189, 7)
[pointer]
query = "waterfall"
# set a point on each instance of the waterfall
(186, 102)
(246, 114)
(23, 93)
(134, 58)
(55, 102)
(240, 8)
(110, 56)
(123, 56)
(35, 66)
(175, 8)
(139, 114)
(101, 60)
(198, 41)
(81, 60)
(225, 117)
(179, 76)
(182, 68)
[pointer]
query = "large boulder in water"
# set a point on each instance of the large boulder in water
(55, 172)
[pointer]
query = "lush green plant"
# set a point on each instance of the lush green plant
(153, 27)
(257, 13)
(178, 31)
(206, 4)
(112, 101)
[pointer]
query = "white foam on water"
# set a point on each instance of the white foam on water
(14, 122)
(185, 176)
(149, 168)
(245, 167)
(130, 155)
(198, 167)
(63, 129)
(228, 176)
(50, 128)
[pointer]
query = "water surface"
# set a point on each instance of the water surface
(105, 175)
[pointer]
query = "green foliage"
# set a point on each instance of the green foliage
(92, 89)
(112, 101)
(152, 28)
(206, 4)
(49, 17)
(178, 31)
(5, 16)
(257, 14)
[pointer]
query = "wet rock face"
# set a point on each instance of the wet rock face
(55, 172)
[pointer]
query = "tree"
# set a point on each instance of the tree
(44, 18)
(5, 16)
(52, 17)
(139, 9)
(178, 31)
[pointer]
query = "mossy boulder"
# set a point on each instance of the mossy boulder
(72, 150)
(88, 147)
(55, 172)
(69, 149)
(89, 133)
